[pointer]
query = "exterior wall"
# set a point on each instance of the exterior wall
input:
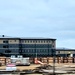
(37, 41)
(1, 41)
(13, 41)
(37, 47)
(9, 46)
(65, 53)
(32, 49)
(27, 47)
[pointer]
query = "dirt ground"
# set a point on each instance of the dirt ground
(33, 66)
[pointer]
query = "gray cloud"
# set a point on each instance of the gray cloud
(39, 18)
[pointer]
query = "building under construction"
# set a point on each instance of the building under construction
(32, 47)
(28, 47)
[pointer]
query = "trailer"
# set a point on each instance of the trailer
(20, 61)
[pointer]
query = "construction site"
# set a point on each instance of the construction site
(34, 56)
(38, 66)
(6, 60)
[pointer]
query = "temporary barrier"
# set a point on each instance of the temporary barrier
(4, 60)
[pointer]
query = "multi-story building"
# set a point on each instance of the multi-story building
(28, 47)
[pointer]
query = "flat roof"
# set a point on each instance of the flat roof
(64, 49)
(37, 38)
(27, 38)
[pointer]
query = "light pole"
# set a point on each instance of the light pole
(53, 54)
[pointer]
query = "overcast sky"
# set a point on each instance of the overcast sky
(39, 18)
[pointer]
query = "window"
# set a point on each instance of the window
(5, 41)
(7, 51)
(28, 41)
(10, 46)
(32, 50)
(44, 41)
(22, 50)
(10, 41)
(59, 52)
(53, 46)
(36, 41)
(40, 50)
(44, 50)
(49, 41)
(33, 41)
(15, 40)
(25, 41)
(27, 50)
(5, 46)
(22, 41)
(50, 46)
